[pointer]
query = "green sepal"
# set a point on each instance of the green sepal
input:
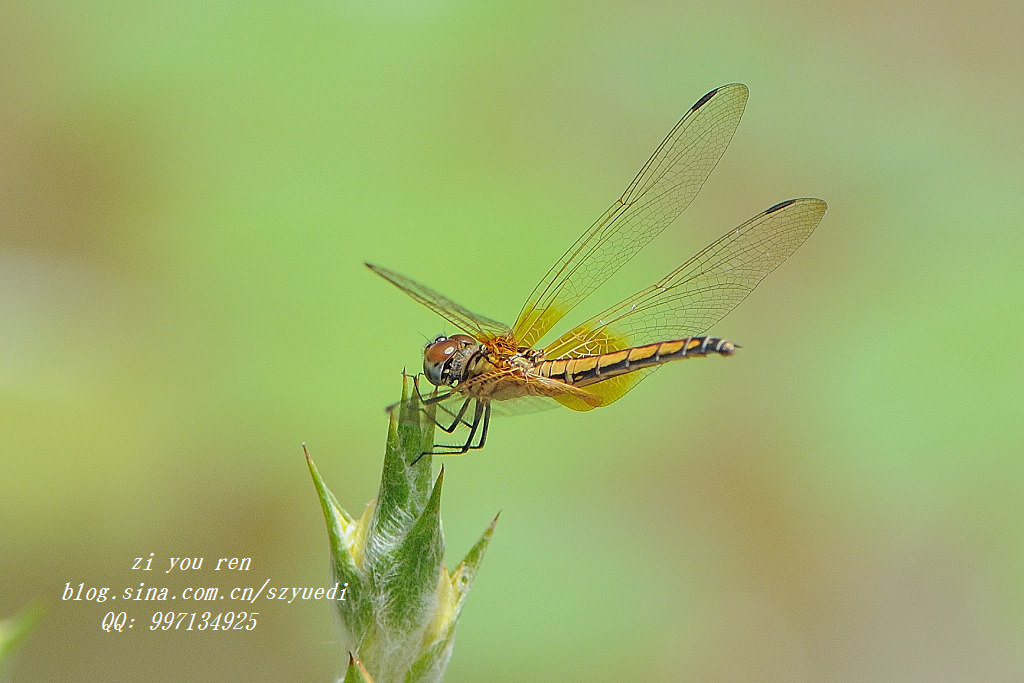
(409, 573)
(465, 573)
(356, 672)
(452, 592)
(347, 538)
(404, 486)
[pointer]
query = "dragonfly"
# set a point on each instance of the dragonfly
(598, 361)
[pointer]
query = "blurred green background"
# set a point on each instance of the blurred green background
(189, 191)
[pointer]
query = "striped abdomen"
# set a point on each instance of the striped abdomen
(584, 370)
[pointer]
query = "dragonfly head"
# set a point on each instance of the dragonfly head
(441, 363)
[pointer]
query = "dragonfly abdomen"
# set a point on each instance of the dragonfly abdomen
(584, 370)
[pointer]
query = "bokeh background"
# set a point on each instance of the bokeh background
(188, 192)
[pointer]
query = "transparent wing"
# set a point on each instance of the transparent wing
(702, 291)
(665, 186)
(524, 405)
(543, 393)
(530, 386)
(477, 325)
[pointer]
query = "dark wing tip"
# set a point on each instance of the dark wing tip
(809, 201)
(704, 100)
(780, 205)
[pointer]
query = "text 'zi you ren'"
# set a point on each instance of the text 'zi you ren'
(240, 564)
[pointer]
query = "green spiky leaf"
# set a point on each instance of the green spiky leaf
(402, 606)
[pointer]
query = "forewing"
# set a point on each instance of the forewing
(522, 406)
(702, 291)
(449, 406)
(665, 186)
(530, 385)
(477, 325)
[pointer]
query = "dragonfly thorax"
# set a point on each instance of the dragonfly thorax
(445, 359)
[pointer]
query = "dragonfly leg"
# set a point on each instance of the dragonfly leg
(483, 430)
(459, 418)
(478, 426)
(436, 400)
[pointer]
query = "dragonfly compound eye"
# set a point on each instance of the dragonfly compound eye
(440, 350)
(438, 354)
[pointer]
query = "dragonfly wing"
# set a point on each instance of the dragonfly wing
(476, 325)
(522, 406)
(448, 406)
(702, 291)
(665, 186)
(513, 386)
